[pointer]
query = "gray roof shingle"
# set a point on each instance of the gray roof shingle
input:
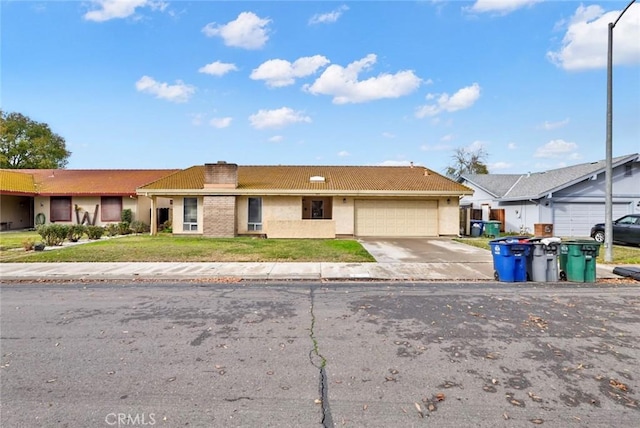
(536, 185)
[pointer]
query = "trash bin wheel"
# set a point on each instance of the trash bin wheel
(563, 275)
(496, 276)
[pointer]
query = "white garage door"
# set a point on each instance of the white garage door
(396, 218)
(576, 219)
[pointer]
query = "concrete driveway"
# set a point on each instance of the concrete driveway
(423, 250)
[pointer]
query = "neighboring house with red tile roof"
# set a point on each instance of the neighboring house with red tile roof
(32, 196)
(226, 200)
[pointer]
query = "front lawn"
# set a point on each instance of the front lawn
(622, 254)
(167, 248)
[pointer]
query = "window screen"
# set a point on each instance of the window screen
(60, 208)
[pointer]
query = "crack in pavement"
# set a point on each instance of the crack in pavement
(319, 362)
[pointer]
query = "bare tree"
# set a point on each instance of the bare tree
(467, 162)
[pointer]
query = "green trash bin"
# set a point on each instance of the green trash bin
(492, 228)
(578, 260)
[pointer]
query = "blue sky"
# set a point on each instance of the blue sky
(171, 84)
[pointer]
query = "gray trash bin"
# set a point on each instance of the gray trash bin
(543, 260)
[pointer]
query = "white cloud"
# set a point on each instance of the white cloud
(276, 139)
(388, 135)
(220, 122)
(178, 93)
(556, 149)
(549, 126)
(584, 45)
(512, 146)
(448, 137)
(499, 165)
(328, 18)
(277, 118)
(248, 31)
(218, 68)
(344, 153)
(342, 83)
(279, 72)
(461, 100)
(475, 146)
(112, 9)
(501, 7)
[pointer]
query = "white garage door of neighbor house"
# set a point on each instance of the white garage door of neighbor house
(396, 218)
(576, 219)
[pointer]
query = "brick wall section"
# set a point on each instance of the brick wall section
(219, 216)
(221, 174)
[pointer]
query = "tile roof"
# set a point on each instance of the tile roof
(15, 182)
(537, 185)
(48, 182)
(337, 179)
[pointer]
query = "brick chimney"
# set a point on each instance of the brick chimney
(220, 175)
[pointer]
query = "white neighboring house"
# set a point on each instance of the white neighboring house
(572, 199)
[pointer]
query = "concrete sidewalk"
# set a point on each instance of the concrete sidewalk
(481, 271)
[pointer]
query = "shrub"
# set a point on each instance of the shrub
(28, 244)
(124, 228)
(94, 232)
(112, 229)
(53, 234)
(126, 216)
(75, 232)
(167, 227)
(139, 227)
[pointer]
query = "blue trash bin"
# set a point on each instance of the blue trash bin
(510, 258)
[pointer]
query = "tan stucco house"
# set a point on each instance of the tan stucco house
(29, 197)
(226, 200)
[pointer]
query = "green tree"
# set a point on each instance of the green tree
(466, 161)
(25, 143)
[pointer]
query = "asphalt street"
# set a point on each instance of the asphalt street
(298, 354)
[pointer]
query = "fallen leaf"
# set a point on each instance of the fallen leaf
(505, 416)
(618, 385)
(440, 396)
(317, 401)
(534, 397)
(537, 421)
(364, 407)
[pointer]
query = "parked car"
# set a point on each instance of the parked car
(626, 230)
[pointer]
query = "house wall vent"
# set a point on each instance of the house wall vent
(317, 179)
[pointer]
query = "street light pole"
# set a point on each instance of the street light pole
(608, 200)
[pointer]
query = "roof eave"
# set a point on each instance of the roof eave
(300, 192)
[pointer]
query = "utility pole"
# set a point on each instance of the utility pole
(608, 200)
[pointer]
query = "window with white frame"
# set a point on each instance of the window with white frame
(190, 215)
(255, 214)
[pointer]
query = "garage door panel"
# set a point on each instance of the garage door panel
(396, 218)
(576, 219)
